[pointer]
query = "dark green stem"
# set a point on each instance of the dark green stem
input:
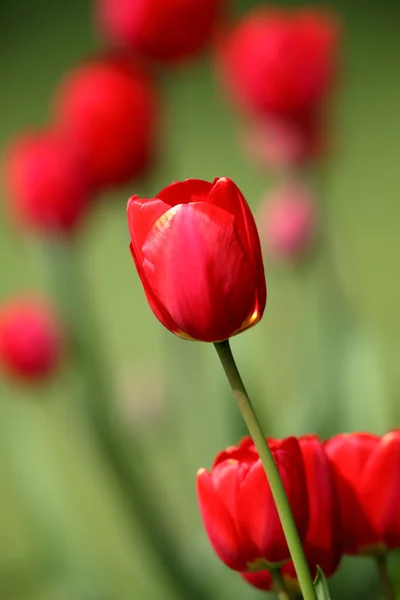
(386, 584)
(271, 470)
(125, 456)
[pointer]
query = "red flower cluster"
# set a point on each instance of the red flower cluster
(343, 494)
(279, 66)
(198, 255)
(160, 30)
(30, 339)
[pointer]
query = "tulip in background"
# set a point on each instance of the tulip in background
(279, 66)
(108, 109)
(197, 252)
(30, 339)
(322, 543)
(46, 183)
(238, 509)
(159, 30)
(287, 222)
(368, 481)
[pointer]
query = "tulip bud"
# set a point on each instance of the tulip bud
(368, 478)
(288, 221)
(160, 30)
(281, 64)
(30, 339)
(48, 188)
(108, 109)
(238, 510)
(322, 544)
(198, 255)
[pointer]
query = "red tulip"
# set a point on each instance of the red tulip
(322, 544)
(108, 109)
(161, 30)
(237, 507)
(281, 64)
(368, 480)
(30, 339)
(288, 222)
(198, 254)
(47, 185)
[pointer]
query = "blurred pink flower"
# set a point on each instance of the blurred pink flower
(46, 182)
(287, 222)
(30, 339)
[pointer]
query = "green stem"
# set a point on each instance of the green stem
(125, 456)
(279, 585)
(386, 584)
(271, 470)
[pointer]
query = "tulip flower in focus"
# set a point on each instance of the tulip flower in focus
(160, 30)
(46, 183)
(288, 222)
(238, 510)
(322, 544)
(198, 255)
(368, 482)
(108, 109)
(30, 339)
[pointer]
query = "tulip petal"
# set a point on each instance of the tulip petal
(227, 195)
(380, 489)
(142, 214)
(259, 519)
(322, 544)
(348, 454)
(195, 264)
(157, 308)
(259, 579)
(183, 192)
(218, 523)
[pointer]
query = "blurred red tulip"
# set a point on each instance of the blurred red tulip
(288, 222)
(237, 507)
(47, 185)
(322, 544)
(30, 339)
(281, 64)
(160, 30)
(109, 110)
(368, 481)
(198, 254)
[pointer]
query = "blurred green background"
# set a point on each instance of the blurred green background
(64, 527)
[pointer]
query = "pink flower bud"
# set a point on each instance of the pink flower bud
(288, 222)
(30, 339)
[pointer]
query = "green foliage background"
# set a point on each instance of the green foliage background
(64, 529)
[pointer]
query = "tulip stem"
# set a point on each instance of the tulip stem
(386, 584)
(278, 491)
(279, 585)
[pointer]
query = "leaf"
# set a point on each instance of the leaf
(321, 585)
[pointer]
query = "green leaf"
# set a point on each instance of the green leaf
(321, 585)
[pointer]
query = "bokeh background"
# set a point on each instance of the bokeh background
(65, 529)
